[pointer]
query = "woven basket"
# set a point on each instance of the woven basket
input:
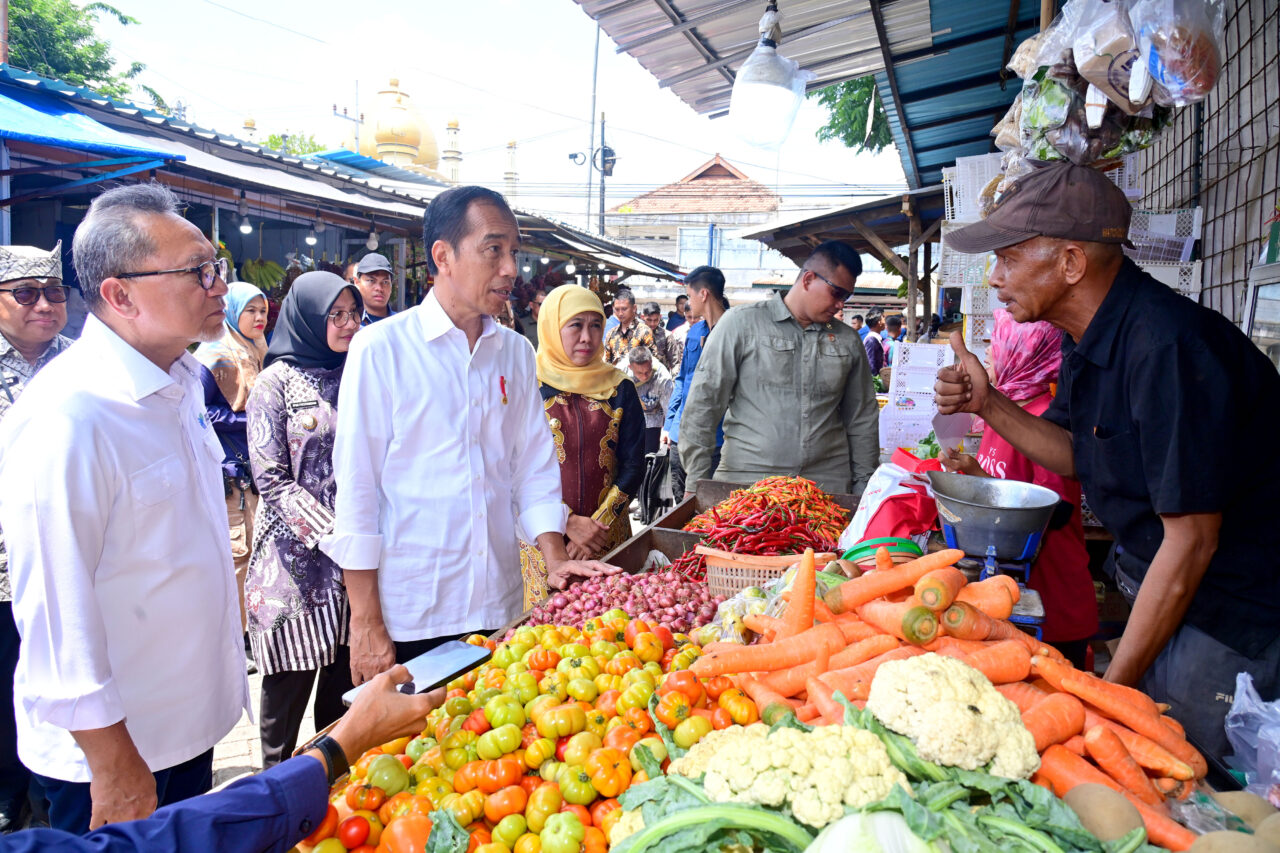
(729, 573)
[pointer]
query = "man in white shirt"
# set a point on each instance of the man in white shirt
(131, 666)
(442, 449)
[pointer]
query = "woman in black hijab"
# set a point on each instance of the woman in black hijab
(295, 602)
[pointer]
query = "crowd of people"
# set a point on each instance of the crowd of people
(364, 486)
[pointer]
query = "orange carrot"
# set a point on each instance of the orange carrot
(884, 560)
(820, 610)
(791, 651)
(1162, 830)
(906, 620)
(1054, 719)
(799, 613)
(852, 593)
(1174, 725)
(1109, 753)
(762, 624)
(807, 713)
(855, 681)
(791, 681)
(1056, 671)
(1003, 662)
(1177, 789)
(938, 589)
(1145, 751)
(990, 596)
(772, 706)
(853, 629)
(1117, 706)
(1075, 743)
(966, 622)
(1040, 683)
(823, 696)
(1015, 591)
(962, 647)
(1022, 694)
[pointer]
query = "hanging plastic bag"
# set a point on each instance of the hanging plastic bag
(1105, 48)
(1253, 728)
(1180, 48)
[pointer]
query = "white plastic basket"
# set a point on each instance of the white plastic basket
(979, 299)
(1127, 176)
(948, 183)
(970, 176)
(1184, 278)
(957, 269)
(1164, 236)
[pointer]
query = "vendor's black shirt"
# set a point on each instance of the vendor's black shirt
(1173, 410)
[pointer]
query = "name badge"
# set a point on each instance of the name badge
(303, 405)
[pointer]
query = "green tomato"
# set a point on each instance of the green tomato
(640, 676)
(509, 830)
(656, 746)
(575, 785)
(615, 613)
(583, 689)
(580, 747)
(483, 695)
(496, 743)
(550, 770)
(604, 647)
(574, 650)
(458, 706)
(420, 773)
(386, 772)
(502, 710)
(332, 845)
(418, 746)
(525, 637)
(562, 833)
(691, 731)
(516, 668)
(522, 686)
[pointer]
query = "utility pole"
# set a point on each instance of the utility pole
(591, 123)
(603, 171)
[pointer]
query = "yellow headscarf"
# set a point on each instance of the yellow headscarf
(598, 379)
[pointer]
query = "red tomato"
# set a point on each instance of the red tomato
(476, 722)
(406, 834)
(405, 760)
(580, 812)
(353, 831)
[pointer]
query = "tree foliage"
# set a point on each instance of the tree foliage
(56, 38)
(294, 144)
(857, 118)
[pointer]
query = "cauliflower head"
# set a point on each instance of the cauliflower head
(816, 773)
(953, 715)
(630, 823)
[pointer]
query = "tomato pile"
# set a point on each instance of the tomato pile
(531, 751)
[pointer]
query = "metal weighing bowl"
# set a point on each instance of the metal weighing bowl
(989, 517)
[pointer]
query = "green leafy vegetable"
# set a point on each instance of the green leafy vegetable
(708, 829)
(447, 835)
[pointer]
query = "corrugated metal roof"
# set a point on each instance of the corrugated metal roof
(694, 47)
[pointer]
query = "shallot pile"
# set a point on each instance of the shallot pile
(661, 597)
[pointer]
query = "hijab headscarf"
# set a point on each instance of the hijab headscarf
(1026, 356)
(300, 337)
(597, 380)
(235, 360)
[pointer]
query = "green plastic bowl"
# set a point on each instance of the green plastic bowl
(867, 549)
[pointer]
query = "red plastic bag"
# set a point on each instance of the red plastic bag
(898, 501)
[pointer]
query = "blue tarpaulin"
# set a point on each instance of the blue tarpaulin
(39, 118)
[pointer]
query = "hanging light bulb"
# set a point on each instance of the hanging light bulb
(570, 268)
(372, 243)
(767, 89)
(545, 260)
(311, 238)
(527, 269)
(245, 226)
(600, 265)
(320, 226)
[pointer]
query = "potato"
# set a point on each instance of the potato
(1251, 808)
(1104, 812)
(1269, 829)
(1226, 841)
(847, 568)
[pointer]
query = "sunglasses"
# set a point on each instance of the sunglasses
(206, 273)
(836, 292)
(30, 295)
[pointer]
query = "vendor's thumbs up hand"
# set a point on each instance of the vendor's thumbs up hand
(962, 387)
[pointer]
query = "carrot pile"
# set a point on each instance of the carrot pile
(807, 503)
(1085, 729)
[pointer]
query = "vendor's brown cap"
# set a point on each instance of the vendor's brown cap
(1060, 200)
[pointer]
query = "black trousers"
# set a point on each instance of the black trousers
(14, 777)
(284, 702)
(652, 439)
(677, 470)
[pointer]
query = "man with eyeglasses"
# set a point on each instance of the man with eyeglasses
(791, 384)
(33, 310)
(131, 666)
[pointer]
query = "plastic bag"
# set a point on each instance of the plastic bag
(1022, 63)
(898, 501)
(767, 84)
(1006, 130)
(1105, 48)
(1180, 47)
(1253, 728)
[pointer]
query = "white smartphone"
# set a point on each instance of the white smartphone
(431, 669)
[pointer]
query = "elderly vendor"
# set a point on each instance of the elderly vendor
(1159, 404)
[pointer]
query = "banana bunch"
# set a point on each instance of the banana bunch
(266, 275)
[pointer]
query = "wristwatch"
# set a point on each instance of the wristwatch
(335, 757)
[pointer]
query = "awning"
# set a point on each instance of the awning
(39, 118)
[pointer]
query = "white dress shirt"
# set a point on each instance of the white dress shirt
(439, 452)
(111, 501)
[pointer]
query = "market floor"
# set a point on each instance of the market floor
(240, 752)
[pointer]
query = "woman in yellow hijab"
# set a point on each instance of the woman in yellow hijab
(598, 425)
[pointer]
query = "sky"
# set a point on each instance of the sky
(505, 69)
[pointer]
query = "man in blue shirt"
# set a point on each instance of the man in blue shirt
(705, 286)
(871, 340)
(271, 811)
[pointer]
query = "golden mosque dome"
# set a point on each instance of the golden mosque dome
(394, 131)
